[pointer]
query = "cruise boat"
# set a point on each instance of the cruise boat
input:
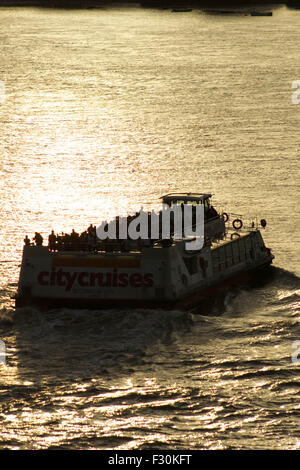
(163, 274)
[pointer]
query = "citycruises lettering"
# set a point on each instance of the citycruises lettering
(66, 279)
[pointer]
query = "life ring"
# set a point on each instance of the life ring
(225, 217)
(263, 223)
(234, 235)
(237, 224)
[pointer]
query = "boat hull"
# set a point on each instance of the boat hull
(198, 300)
(179, 276)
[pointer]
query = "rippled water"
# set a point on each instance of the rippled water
(111, 108)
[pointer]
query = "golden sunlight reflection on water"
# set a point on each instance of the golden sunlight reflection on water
(107, 110)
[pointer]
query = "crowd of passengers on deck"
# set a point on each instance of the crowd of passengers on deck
(86, 241)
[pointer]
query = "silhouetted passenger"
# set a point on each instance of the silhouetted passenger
(52, 241)
(59, 242)
(67, 242)
(75, 240)
(38, 239)
(26, 241)
(91, 230)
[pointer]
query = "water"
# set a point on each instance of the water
(113, 108)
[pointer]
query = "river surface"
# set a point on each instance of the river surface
(108, 109)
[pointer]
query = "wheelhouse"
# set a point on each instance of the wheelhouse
(193, 199)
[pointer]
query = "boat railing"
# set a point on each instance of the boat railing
(237, 225)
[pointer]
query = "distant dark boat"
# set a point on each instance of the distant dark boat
(261, 13)
(181, 10)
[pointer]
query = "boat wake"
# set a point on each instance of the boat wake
(65, 342)
(277, 293)
(97, 342)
